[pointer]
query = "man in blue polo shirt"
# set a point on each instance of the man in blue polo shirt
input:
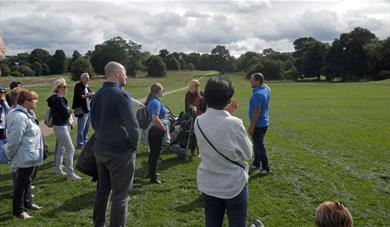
(259, 120)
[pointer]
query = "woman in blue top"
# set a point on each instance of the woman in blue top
(156, 112)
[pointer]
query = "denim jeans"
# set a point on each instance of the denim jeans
(83, 123)
(236, 209)
(115, 177)
(259, 148)
(64, 141)
(22, 199)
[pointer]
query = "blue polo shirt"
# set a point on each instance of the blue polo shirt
(155, 107)
(260, 99)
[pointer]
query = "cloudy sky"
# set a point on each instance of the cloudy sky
(185, 25)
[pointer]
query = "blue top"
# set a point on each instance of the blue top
(154, 106)
(260, 99)
(113, 119)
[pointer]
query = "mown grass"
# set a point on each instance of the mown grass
(326, 142)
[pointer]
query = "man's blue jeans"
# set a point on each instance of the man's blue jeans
(83, 124)
(259, 148)
(236, 209)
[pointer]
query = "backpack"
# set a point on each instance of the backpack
(142, 118)
(48, 118)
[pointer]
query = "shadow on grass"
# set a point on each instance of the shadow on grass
(74, 204)
(197, 203)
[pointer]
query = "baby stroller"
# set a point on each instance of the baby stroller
(182, 131)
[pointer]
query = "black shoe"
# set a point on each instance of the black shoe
(155, 181)
(148, 176)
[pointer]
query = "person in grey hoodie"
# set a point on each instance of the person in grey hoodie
(25, 150)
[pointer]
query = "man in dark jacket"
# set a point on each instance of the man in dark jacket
(82, 105)
(116, 131)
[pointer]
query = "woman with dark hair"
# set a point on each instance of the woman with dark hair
(225, 148)
(156, 112)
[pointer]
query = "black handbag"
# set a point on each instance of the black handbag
(86, 163)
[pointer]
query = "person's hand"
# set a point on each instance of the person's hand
(141, 105)
(250, 130)
(232, 107)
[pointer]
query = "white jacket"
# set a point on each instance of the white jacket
(217, 176)
(24, 139)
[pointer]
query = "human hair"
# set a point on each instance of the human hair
(258, 77)
(333, 214)
(112, 67)
(25, 95)
(14, 84)
(13, 95)
(57, 83)
(84, 75)
(218, 92)
(194, 83)
(154, 90)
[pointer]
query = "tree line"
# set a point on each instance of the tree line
(357, 55)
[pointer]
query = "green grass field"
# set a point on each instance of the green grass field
(327, 141)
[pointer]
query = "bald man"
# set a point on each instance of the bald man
(116, 131)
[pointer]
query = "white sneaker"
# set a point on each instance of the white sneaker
(73, 177)
(59, 172)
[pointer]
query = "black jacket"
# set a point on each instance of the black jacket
(59, 109)
(79, 90)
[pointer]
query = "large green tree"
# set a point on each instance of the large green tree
(58, 62)
(156, 67)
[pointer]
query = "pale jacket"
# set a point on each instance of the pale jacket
(216, 176)
(24, 139)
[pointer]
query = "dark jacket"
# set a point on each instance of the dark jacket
(79, 90)
(113, 119)
(59, 110)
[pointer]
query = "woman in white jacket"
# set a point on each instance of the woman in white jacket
(25, 150)
(225, 148)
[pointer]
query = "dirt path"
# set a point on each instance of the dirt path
(46, 131)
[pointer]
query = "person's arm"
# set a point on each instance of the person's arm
(243, 143)
(128, 118)
(256, 113)
(136, 102)
(16, 129)
(187, 104)
(155, 110)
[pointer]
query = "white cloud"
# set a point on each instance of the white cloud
(241, 25)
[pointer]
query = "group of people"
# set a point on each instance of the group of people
(223, 142)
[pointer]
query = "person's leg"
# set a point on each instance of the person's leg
(27, 198)
(59, 156)
(256, 150)
(262, 150)
(214, 210)
(22, 182)
(86, 128)
(103, 189)
(155, 140)
(81, 121)
(237, 209)
(64, 140)
(122, 168)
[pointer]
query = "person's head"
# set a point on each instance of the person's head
(155, 90)
(60, 87)
(15, 84)
(84, 78)
(256, 80)
(333, 214)
(218, 92)
(194, 86)
(27, 98)
(116, 73)
(13, 95)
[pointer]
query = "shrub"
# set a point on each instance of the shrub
(156, 67)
